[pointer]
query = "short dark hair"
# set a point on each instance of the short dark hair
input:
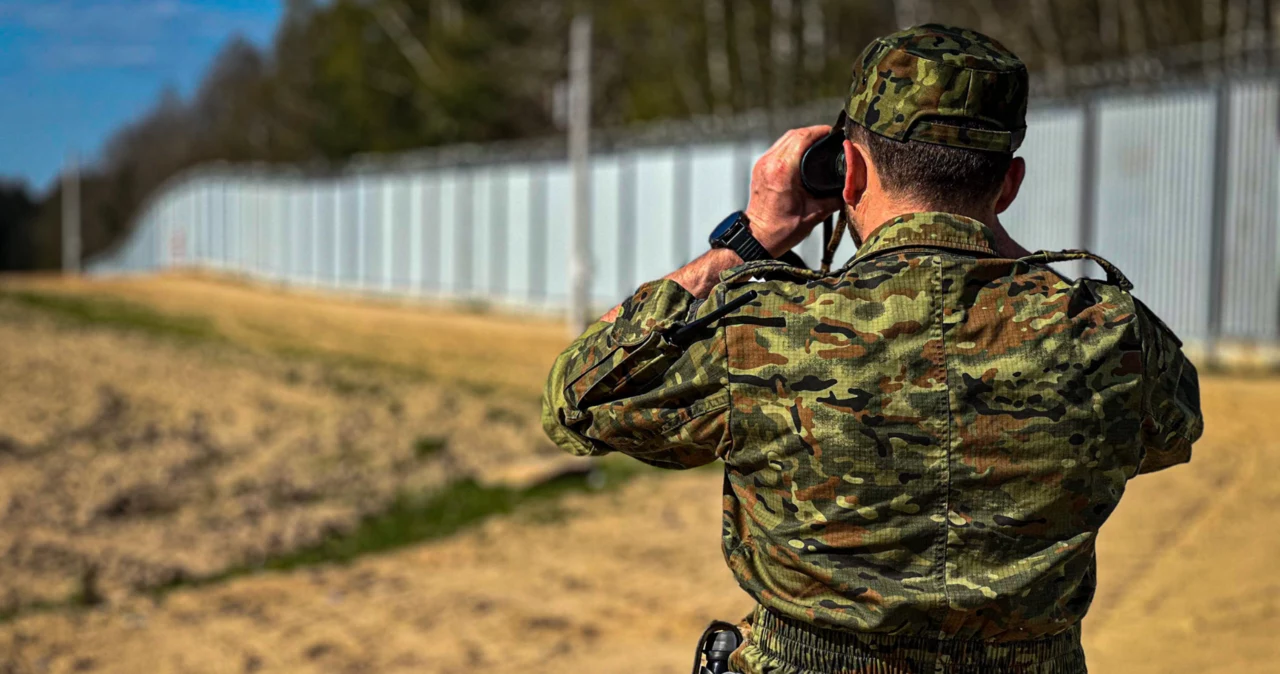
(943, 177)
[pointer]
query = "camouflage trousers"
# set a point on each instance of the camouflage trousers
(776, 644)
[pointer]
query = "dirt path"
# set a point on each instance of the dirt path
(623, 585)
(1189, 578)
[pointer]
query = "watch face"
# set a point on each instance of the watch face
(722, 229)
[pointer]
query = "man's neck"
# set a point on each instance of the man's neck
(1004, 244)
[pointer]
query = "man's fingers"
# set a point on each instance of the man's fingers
(777, 143)
(796, 141)
(800, 135)
(808, 135)
(813, 132)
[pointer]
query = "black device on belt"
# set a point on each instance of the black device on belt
(718, 642)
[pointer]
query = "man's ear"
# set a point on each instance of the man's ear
(1012, 183)
(856, 173)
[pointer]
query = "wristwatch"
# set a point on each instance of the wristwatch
(734, 234)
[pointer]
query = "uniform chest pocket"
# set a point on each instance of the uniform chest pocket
(621, 372)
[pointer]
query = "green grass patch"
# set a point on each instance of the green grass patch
(504, 415)
(428, 446)
(413, 519)
(478, 388)
(474, 306)
(86, 595)
(116, 313)
(351, 386)
(12, 613)
(409, 520)
(339, 360)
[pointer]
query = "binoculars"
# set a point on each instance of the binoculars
(822, 172)
(822, 167)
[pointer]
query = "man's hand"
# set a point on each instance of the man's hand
(781, 211)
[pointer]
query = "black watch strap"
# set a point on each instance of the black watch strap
(735, 234)
(742, 242)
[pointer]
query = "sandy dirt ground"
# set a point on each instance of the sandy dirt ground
(144, 462)
(620, 581)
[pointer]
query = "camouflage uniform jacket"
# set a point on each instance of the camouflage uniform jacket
(923, 444)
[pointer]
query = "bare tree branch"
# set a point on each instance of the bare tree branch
(717, 56)
(1211, 27)
(1109, 27)
(1077, 23)
(1256, 27)
(781, 49)
(1273, 28)
(1134, 27)
(1234, 33)
(990, 21)
(815, 38)
(447, 13)
(1161, 29)
(1182, 25)
(744, 16)
(1043, 23)
(391, 20)
(686, 84)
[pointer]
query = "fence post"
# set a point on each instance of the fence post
(627, 235)
(1218, 237)
(499, 234)
(71, 216)
(362, 231)
(315, 233)
(464, 214)
(682, 206)
(1089, 176)
(539, 219)
(579, 156)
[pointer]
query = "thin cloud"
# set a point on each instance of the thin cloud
(71, 34)
(112, 17)
(102, 56)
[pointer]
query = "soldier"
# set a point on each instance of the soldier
(921, 447)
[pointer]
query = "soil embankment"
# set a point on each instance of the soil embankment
(206, 477)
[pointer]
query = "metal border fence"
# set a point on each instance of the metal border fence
(1177, 188)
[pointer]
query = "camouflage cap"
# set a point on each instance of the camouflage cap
(909, 85)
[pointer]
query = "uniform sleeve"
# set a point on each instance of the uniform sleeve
(626, 387)
(1171, 419)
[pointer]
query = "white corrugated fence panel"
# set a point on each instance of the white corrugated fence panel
(1155, 195)
(1046, 213)
(1251, 267)
(605, 221)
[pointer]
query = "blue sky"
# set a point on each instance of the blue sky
(73, 71)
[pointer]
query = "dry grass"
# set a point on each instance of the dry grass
(619, 582)
(510, 355)
(624, 583)
(130, 461)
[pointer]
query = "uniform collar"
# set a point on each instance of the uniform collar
(935, 230)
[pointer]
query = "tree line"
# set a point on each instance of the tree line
(348, 77)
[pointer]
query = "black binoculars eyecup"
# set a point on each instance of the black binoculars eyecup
(822, 167)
